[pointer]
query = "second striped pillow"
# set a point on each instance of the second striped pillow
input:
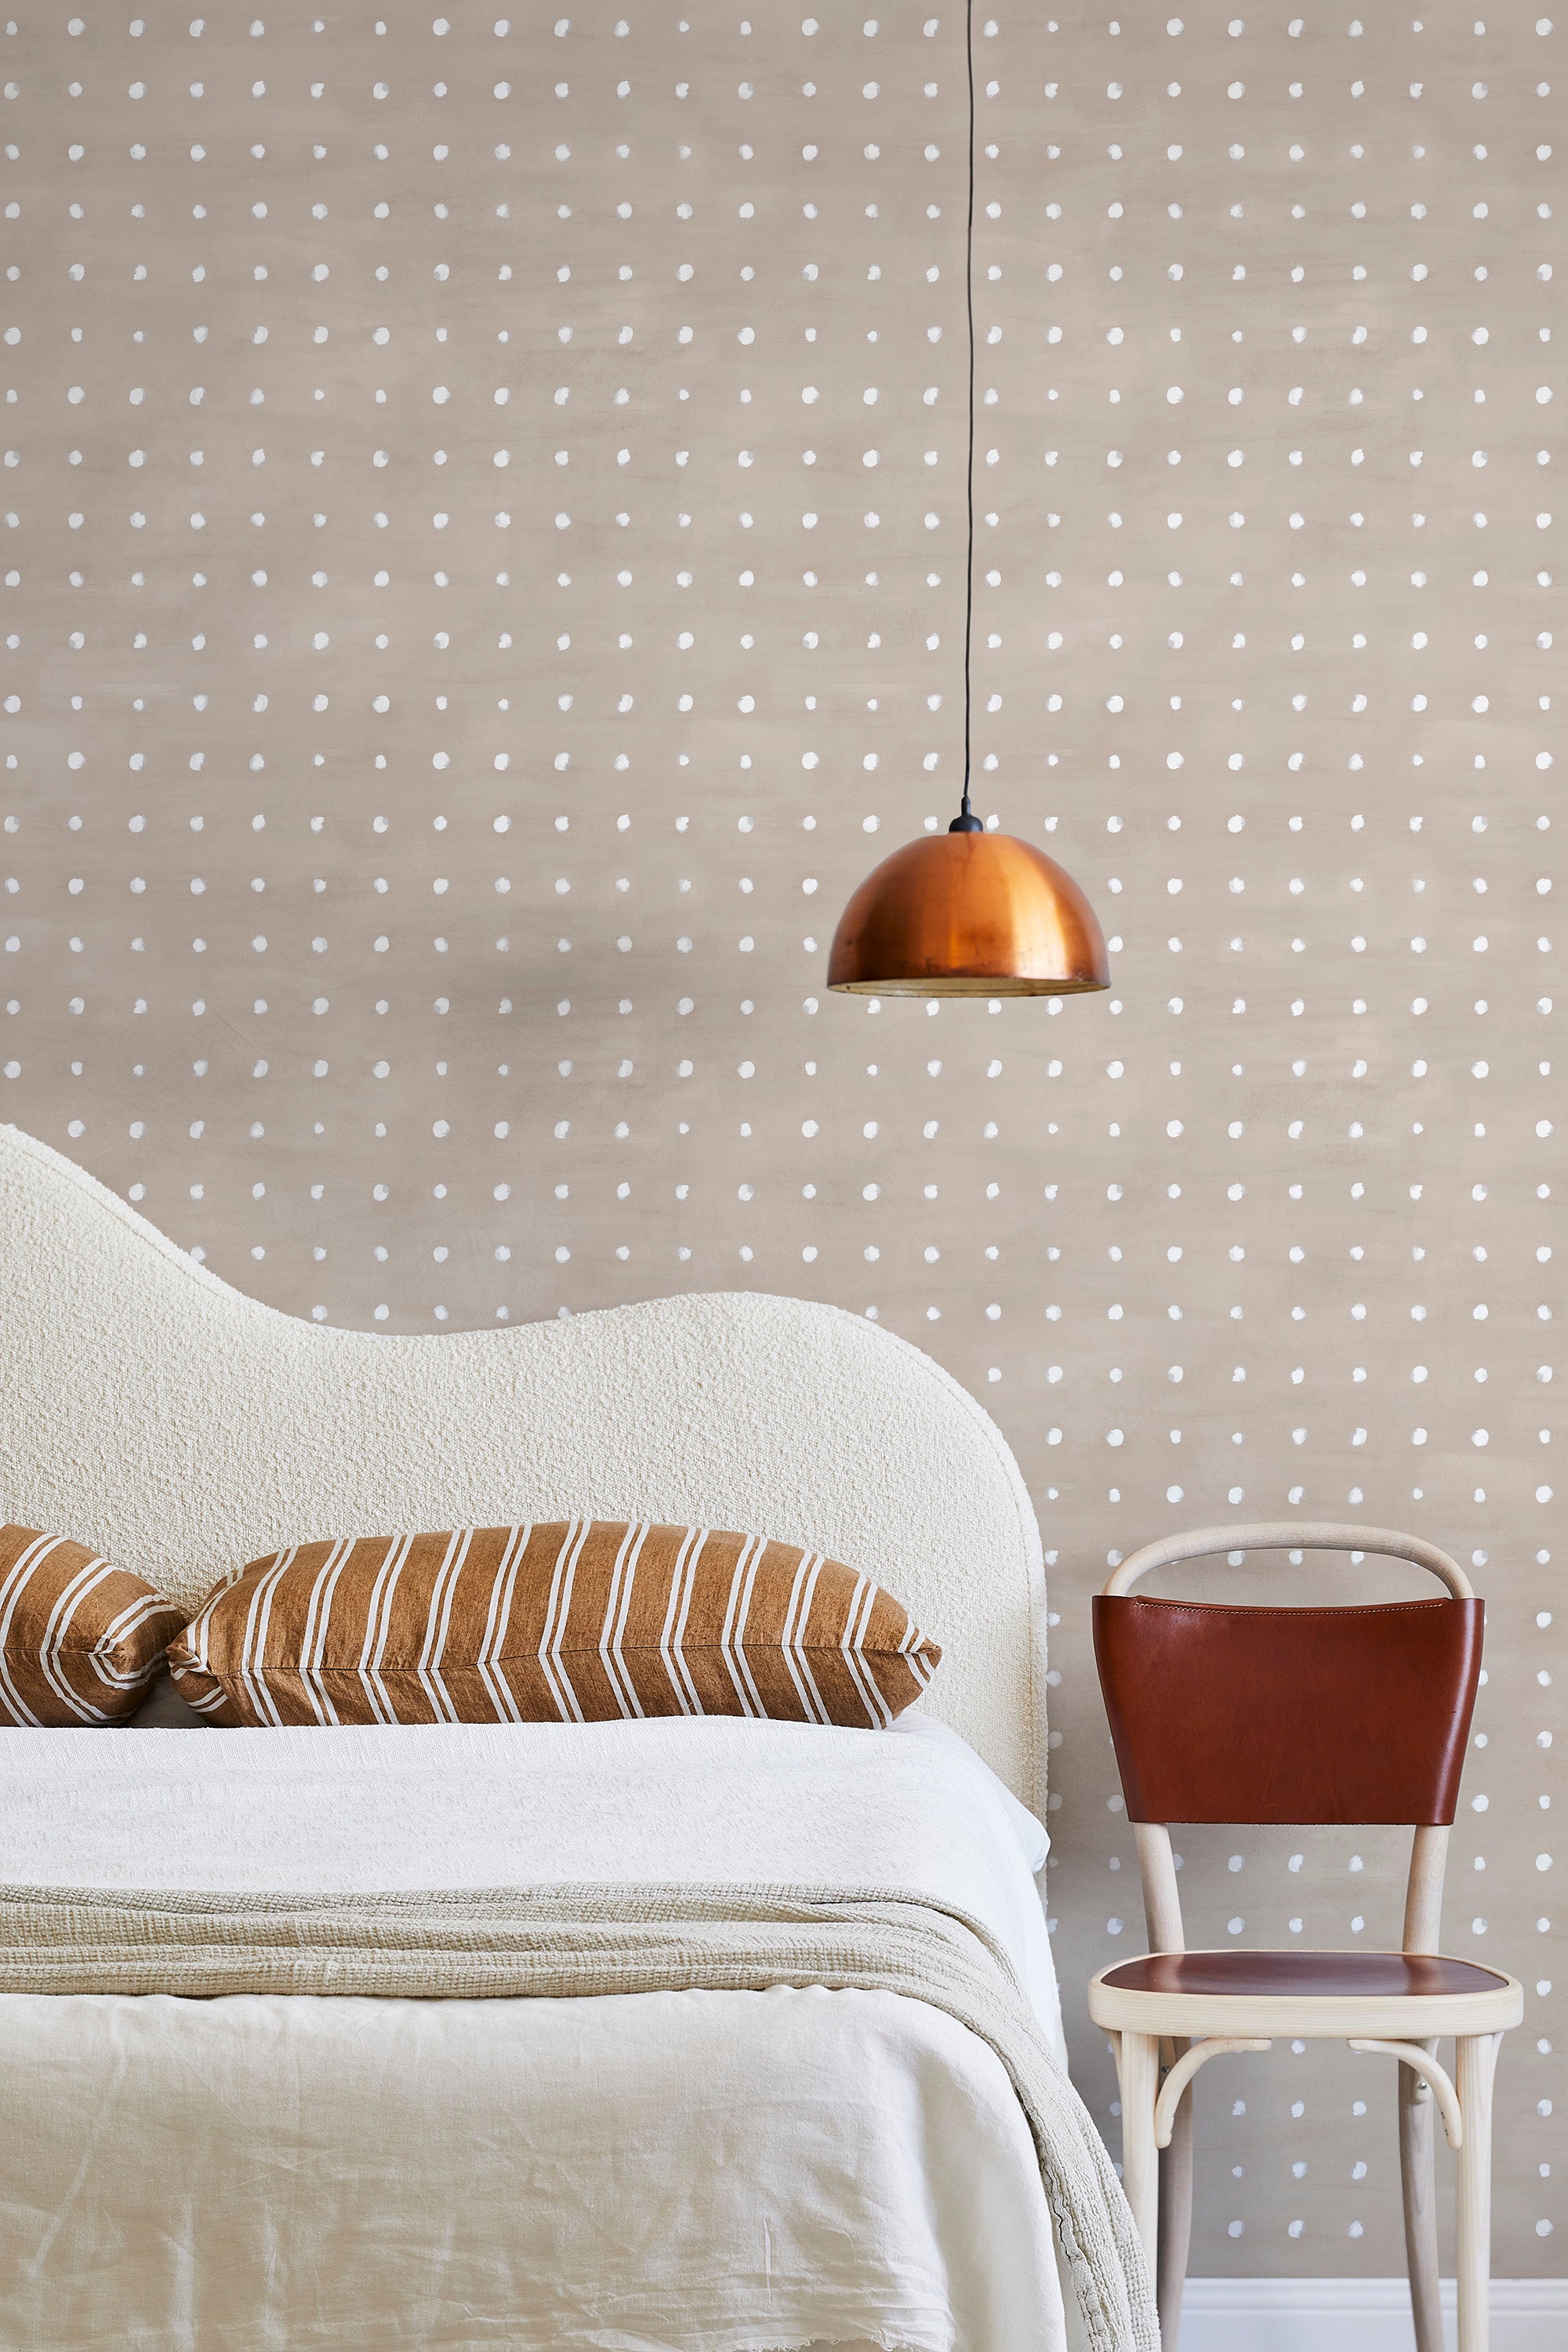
(581, 1621)
(80, 1638)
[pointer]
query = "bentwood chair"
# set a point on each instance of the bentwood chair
(1311, 1715)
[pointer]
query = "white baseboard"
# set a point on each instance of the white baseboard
(1373, 2314)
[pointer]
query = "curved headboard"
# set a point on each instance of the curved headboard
(182, 1428)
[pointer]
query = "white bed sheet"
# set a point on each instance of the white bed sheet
(716, 2172)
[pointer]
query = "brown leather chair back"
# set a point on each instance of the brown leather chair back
(1224, 1714)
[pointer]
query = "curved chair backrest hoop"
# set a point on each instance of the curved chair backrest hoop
(1284, 1712)
(1286, 1535)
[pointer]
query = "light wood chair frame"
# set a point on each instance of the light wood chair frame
(1161, 2041)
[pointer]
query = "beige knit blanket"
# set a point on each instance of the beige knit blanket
(565, 1941)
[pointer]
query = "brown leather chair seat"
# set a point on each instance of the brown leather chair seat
(1317, 1976)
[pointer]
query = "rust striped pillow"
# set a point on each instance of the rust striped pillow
(80, 1640)
(580, 1621)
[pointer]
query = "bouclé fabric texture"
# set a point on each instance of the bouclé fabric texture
(80, 1638)
(578, 1620)
(168, 1420)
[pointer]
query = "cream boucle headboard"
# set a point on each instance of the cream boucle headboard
(182, 1428)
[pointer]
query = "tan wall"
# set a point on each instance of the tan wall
(420, 967)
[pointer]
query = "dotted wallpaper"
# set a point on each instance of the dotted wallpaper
(483, 579)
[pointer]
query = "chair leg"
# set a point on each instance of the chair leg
(1477, 2054)
(1138, 2065)
(1177, 2223)
(1417, 2142)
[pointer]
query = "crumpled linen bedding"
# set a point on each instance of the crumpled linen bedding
(711, 2171)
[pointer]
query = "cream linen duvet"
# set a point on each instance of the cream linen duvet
(709, 2170)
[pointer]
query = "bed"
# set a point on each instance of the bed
(716, 2170)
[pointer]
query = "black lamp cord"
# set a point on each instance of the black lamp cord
(966, 821)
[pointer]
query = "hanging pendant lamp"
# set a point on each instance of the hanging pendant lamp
(967, 912)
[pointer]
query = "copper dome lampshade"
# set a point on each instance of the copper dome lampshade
(967, 912)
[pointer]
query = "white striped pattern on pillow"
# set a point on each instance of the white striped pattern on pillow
(570, 1621)
(80, 1638)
